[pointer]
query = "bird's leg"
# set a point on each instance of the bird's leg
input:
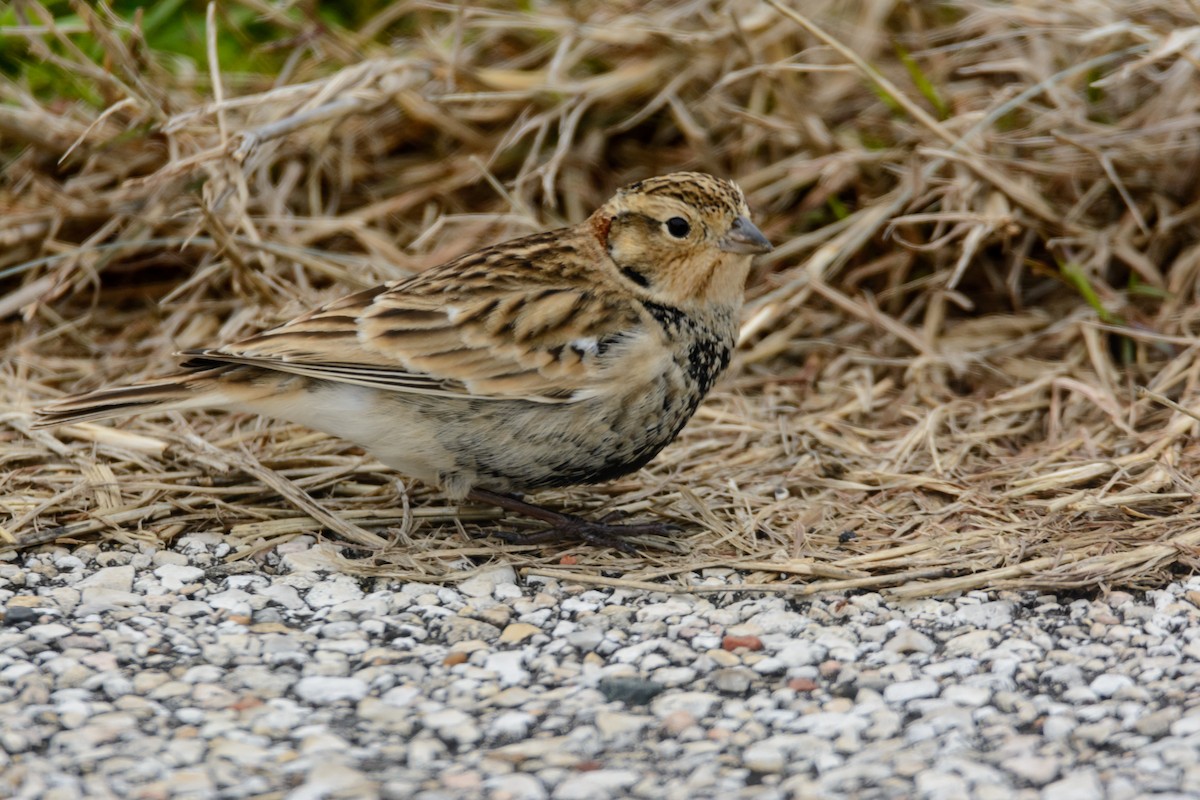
(568, 525)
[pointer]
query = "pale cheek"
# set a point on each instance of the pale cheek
(687, 277)
(628, 248)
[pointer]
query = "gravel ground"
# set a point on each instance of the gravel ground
(172, 673)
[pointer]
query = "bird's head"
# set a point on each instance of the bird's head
(683, 239)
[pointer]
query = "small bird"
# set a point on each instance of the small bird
(566, 357)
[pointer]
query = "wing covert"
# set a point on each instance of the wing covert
(542, 342)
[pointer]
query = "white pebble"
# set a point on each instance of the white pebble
(906, 691)
(1108, 684)
(323, 690)
(175, 577)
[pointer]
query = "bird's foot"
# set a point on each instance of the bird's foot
(568, 526)
(601, 534)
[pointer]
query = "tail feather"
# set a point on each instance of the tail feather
(165, 395)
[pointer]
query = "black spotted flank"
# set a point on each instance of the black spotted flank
(707, 358)
(708, 355)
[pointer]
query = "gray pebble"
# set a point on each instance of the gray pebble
(336, 687)
(800, 653)
(991, 615)
(629, 690)
(1109, 684)
(907, 640)
(485, 582)
(516, 786)
(598, 784)
(117, 578)
(1081, 784)
(176, 576)
(323, 690)
(1157, 723)
(49, 632)
(1036, 770)
(333, 590)
(906, 691)
(190, 608)
(733, 680)
(697, 704)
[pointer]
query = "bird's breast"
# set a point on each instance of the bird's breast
(648, 385)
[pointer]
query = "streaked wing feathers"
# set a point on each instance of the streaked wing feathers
(540, 342)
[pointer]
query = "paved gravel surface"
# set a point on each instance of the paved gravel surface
(172, 673)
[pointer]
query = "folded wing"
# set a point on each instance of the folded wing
(442, 336)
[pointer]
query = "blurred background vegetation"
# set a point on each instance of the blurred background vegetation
(254, 40)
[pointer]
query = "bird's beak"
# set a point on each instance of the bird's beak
(745, 239)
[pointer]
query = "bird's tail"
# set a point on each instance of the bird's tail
(174, 393)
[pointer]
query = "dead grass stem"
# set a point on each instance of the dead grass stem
(970, 363)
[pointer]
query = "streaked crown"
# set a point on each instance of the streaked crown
(698, 190)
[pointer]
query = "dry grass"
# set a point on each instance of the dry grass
(987, 220)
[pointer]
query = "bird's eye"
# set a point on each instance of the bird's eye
(678, 227)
